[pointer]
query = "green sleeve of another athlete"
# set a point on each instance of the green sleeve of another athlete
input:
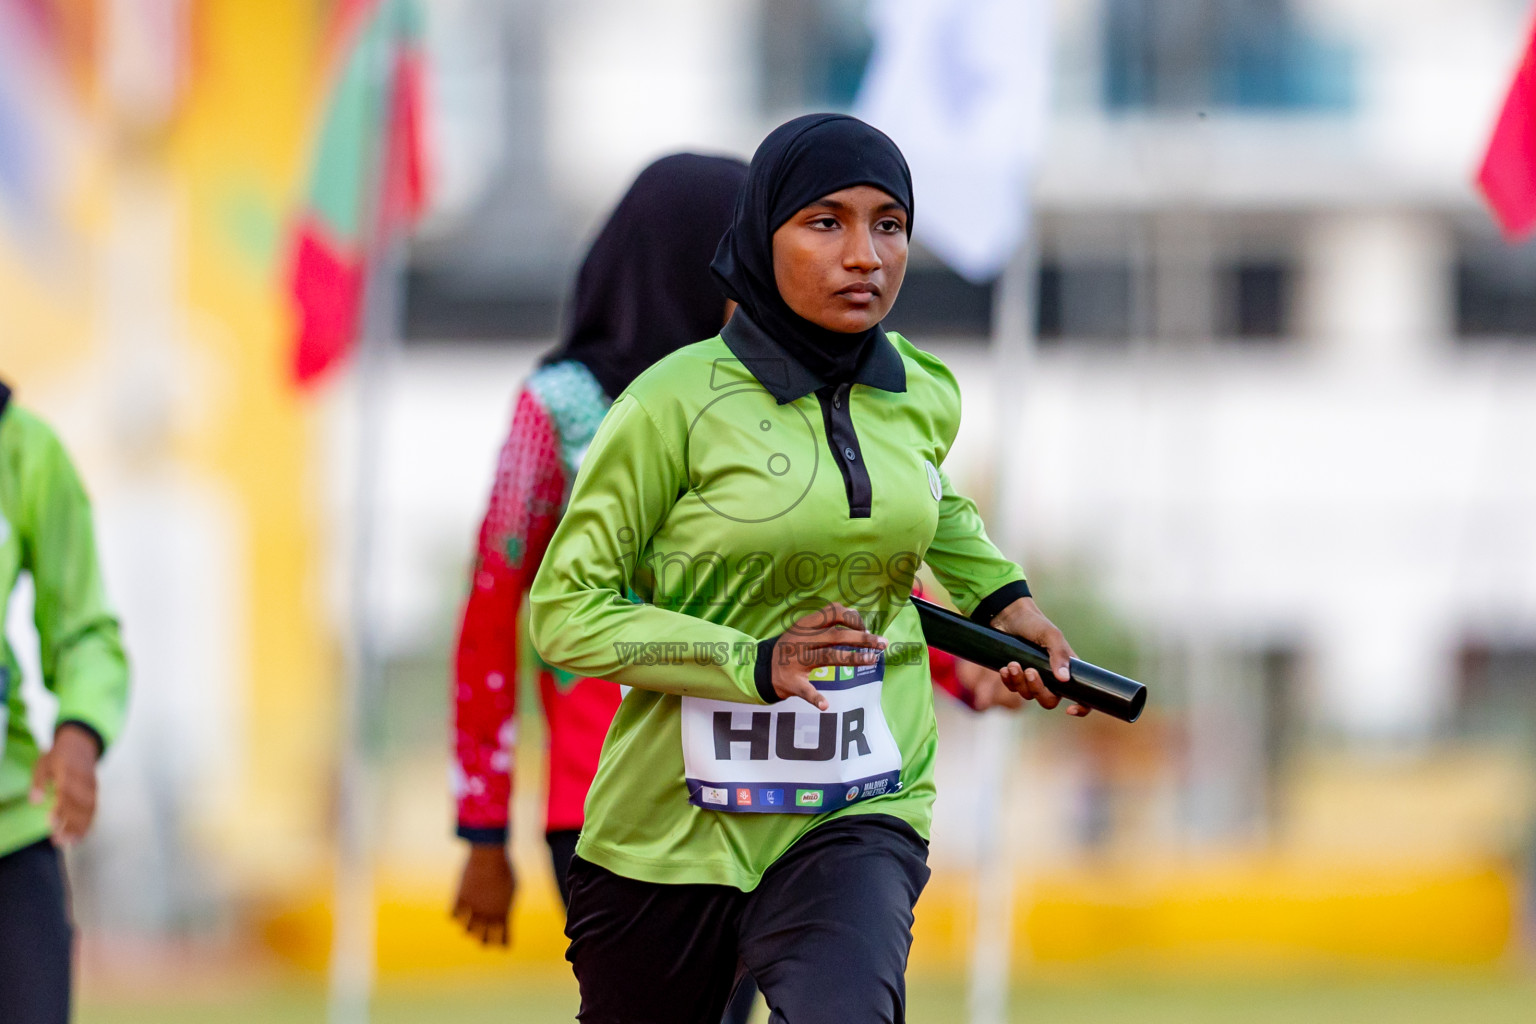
(579, 617)
(964, 558)
(82, 654)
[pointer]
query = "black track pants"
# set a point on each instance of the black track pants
(36, 937)
(826, 934)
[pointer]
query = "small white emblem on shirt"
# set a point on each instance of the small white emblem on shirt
(935, 485)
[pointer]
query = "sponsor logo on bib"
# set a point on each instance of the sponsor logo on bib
(807, 798)
(713, 795)
(853, 794)
(743, 798)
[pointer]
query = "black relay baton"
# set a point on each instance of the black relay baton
(1091, 686)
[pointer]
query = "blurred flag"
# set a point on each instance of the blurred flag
(962, 86)
(1508, 174)
(47, 48)
(366, 181)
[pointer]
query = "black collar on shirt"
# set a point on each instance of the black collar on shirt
(787, 380)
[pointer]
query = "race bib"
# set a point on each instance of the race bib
(790, 758)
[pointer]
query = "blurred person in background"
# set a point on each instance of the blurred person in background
(643, 290)
(47, 799)
(803, 872)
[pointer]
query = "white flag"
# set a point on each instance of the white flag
(962, 86)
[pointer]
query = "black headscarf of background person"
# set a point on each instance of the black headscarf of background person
(798, 163)
(644, 289)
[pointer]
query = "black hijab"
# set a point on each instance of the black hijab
(644, 289)
(799, 162)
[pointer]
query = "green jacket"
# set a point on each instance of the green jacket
(45, 530)
(730, 492)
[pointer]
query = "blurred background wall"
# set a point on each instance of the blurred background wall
(1275, 454)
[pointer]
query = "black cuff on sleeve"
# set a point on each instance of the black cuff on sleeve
(101, 744)
(999, 599)
(483, 836)
(762, 672)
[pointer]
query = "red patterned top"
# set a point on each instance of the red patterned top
(556, 414)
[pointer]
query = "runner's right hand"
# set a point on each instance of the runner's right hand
(817, 640)
(484, 902)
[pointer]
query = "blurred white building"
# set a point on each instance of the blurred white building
(1282, 415)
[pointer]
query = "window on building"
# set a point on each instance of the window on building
(439, 309)
(1254, 299)
(1177, 277)
(1253, 54)
(495, 258)
(1497, 692)
(1495, 288)
(1281, 671)
(813, 53)
(1085, 300)
(936, 301)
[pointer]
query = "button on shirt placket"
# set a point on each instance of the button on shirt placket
(837, 418)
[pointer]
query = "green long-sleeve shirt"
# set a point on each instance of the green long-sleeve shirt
(45, 530)
(727, 493)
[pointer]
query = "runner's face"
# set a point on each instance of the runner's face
(839, 262)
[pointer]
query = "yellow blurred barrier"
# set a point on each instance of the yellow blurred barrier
(1244, 917)
(1275, 917)
(416, 935)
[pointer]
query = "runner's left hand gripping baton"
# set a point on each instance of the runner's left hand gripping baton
(1090, 685)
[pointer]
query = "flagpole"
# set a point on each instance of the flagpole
(1013, 349)
(355, 923)
(354, 926)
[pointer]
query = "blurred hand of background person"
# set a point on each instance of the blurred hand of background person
(1023, 618)
(486, 889)
(69, 770)
(986, 687)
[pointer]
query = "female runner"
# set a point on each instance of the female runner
(739, 549)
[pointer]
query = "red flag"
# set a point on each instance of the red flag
(1508, 174)
(366, 181)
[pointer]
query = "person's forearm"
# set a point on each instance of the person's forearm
(82, 655)
(597, 633)
(485, 701)
(90, 677)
